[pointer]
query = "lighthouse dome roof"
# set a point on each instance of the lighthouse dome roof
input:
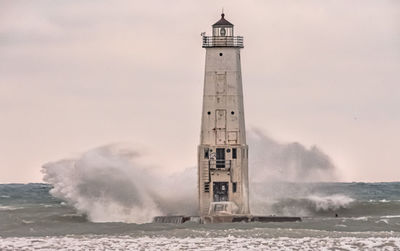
(222, 21)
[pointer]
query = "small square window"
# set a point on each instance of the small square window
(206, 153)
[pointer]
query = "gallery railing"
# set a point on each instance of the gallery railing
(214, 41)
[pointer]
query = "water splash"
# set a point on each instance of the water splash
(312, 205)
(274, 161)
(105, 184)
(109, 185)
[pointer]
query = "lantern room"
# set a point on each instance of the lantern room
(222, 28)
(222, 35)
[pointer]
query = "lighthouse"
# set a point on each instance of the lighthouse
(223, 186)
(223, 179)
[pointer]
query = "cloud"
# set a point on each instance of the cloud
(94, 72)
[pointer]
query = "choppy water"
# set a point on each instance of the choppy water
(368, 218)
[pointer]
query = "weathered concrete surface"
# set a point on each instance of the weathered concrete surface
(223, 152)
(223, 183)
(223, 219)
(248, 218)
(176, 219)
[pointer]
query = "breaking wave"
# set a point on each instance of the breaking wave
(344, 207)
(108, 186)
(312, 205)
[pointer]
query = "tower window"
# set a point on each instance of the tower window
(234, 153)
(208, 113)
(220, 157)
(220, 54)
(232, 112)
(234, 187)
(206, 153)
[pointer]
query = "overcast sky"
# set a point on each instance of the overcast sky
(77, 74)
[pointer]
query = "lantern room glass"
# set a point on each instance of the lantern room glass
(223, 31)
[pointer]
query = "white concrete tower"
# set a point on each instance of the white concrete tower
(223, 153)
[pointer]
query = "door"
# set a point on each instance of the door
(220, 190)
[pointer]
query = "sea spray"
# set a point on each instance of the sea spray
(108, 185)
(332, 202)
(105, 184)
(313, 205)
(273, 161)
(297, 199)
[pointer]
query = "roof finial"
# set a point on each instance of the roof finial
(222, 14)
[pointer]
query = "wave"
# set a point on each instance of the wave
(312, 205)
(98, 184)
(107, 185)
(391, 216)
(340, 205)
(9, 208)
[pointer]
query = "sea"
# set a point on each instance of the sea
(335, 216)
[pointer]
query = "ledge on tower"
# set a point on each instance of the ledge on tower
(217, 41)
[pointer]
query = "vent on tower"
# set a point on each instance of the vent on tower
(206, 187)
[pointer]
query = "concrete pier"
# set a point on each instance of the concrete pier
(223, 219)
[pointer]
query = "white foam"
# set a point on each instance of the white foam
(218, 243)
(107, 185)
(363, 218)
(8, 208)
(391, 216)
(331, 202)
(104, 184)
(383, 221)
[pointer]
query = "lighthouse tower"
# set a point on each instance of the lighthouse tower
(223, 152)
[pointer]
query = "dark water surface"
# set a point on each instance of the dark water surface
(369, 208)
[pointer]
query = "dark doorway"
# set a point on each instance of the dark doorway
(220, 190)
(220, 157)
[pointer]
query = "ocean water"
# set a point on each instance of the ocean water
(368, 218)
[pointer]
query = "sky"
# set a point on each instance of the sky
(76, 75)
